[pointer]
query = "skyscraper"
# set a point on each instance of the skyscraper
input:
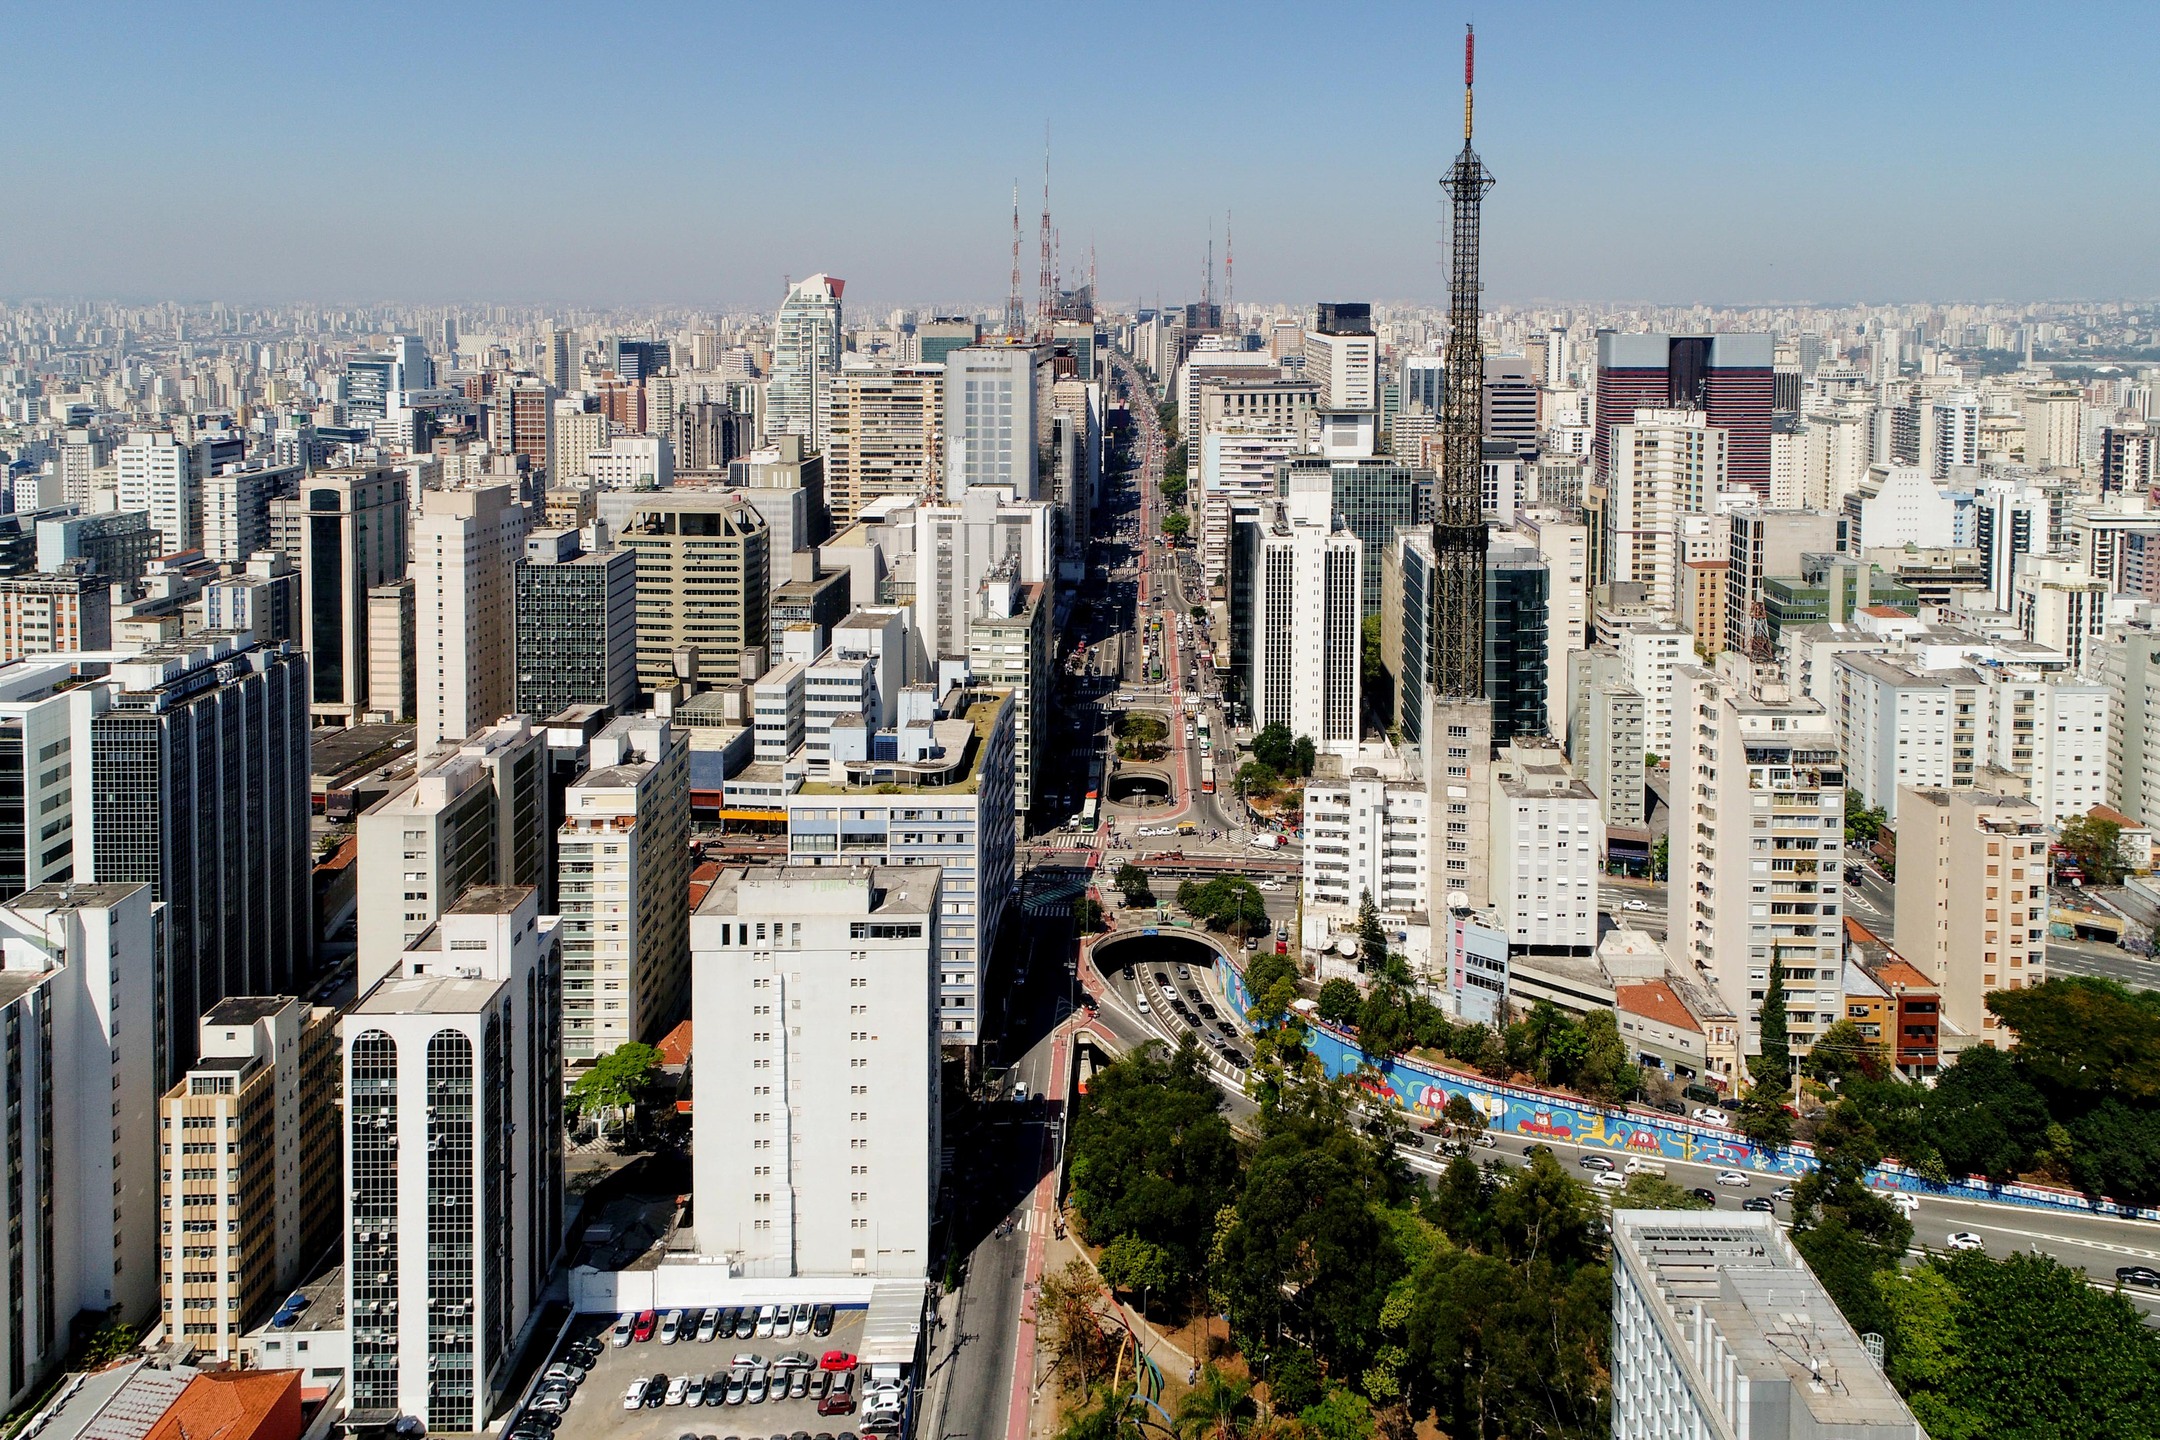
(884, 435)
(1306, 611)
(703, 586)
(1726, 377)
(576, 623)
(157, 474)
(990, 420)
(353, 529)
(466, 545)
(806, 356)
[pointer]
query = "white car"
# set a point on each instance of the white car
(1909, 1204)
(1609, 1180)
(1965, 1240)
(1733, 1178)
(624, 1325)
(678, 1390)
(1704, 1115)
(634, 1397)
(1643, 1165)
(1269, 885)
(1634, 905)
(765, 1318)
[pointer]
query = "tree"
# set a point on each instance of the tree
(616, 1082)
(1843, 1051)
(112, 1339)
(1383, 1023)
(1217, 1408)
(1660, 857)
(1303, 756)
(1862, 824)
(1461, 1117)
(1372, 939)
(1087, 914)
(1772, 1069)
(1069, 1308)
(1133, 1265)
(1131, 881)
(2086, 1035)
(1108, 1415)
(1294, 1383)
(1176, 525)
(1273, 747)
(1985, 1117)
(1341, 1414)
(1655, 1192)
(1228, 902)
(1604, 1071)
(1339, 1002)
(1847, 1231)
(1257, 780)
(2097, 846)
(1764, 1119)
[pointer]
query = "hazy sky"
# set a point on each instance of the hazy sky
(697, 153)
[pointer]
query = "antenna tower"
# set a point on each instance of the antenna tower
(1046, 283)
(1015, 308)
(1459, 539)
(1229, 268)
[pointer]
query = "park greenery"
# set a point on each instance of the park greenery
(1141, 736)
(1176, 525)
(615, 1084)
(1228, 902)
(1289, 756)
(1131, 882)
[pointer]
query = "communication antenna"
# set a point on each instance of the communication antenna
(1045, 298)
(1015, 308)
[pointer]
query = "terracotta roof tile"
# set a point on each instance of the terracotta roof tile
(1655, 1000)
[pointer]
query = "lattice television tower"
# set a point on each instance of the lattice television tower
(1459, 539)
(1229, 271)
(1046, 281)
(1015, 307)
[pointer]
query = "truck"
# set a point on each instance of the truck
(1267, 842)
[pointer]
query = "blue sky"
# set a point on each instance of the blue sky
(698, 153)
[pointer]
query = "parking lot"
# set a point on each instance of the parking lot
(597, 1412)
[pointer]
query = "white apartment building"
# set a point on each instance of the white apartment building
(1665, 464)
(236, 510)
(779, 704)
(1307, 648)
(453, 1159)
(2129, 666)
(465, 549)
(1720, 1330)
(814, 1011)
(1972, 908)
(1898, 505)
(1345, 368)
(2060, 606)
(805, 357)
(1238, 462)
(1649, 655)
(1367, 834)
(632, 462)
(157, 473)
(1901, 725)
(1547, 845)
(80, 1054)
(2053, 731)
(1605, 736)
(1839, 447)
(578, 433)
(2054, 427)
(1564, 541)
(990, 420)
(1758, 827)
(622, 885)
(958, 546)
(475, 814)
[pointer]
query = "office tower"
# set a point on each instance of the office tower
(637, 360)
(806, 356)
(785, 484)
(576, 623)
(1075, 339)
(562, 360)
(806, 1165)
(522, 420)
(1342, 358)
(2010, 525)
(474, 814)
(2054, 427)
(236, 509)
(1307, 627)
(1758, 797)
(1763, 544)
(1972, 909)
(1366, 834)
(1719, 1328)
(623, 886)
(1074, 477)
(348, 533)
(157, 474)
(958, 546)
(251, 1165)
(1548, 846)
(822, 600)
(46, 614)
(632, 462)
(1726, 377)
(1664, 464)
(1372, 498)
(708, 434)
(884, 434)
(1009, 647)
(1509, 402)
(79, 1018)
(1240, 460)
(263, 599)
(454, 1057)
(580, 430)
(1424, 383)
(704, 588)
(393, 652)
(939, 337)
(990, 420)
(1517, 642)
(949, 807)
(465, 547)
(1605, 736)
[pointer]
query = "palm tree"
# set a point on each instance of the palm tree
(1218, 1408)
(1115, 1415)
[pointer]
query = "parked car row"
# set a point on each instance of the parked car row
(752, 1380)
(735, 1322)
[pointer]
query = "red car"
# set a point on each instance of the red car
(836, 1360)
(647, 1321)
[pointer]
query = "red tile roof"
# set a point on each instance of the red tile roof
(1655, 1000)
(674, 1046)
(234, 1405)
(2114, 816)
(1894, 973)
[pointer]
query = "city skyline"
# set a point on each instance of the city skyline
(1665, 155)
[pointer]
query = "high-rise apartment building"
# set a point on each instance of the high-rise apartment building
(884, 436)
(1547, 851)
(2054, 427)
(709, 433)
(817, 1043)
(1306, 626)
(959, 546)
(522, 419)
(262, 599)
(350, 532)
(1662, 466)
(991, 419)
(1758, 824)
(2129, 666)
(704, 588)
(474, 814)
(1605, 736)
(576, 595)
(70, 611)
(393, 652)
(806, 357)
(453, 1159)
(1972, 908)
(465, 549)
(2059, 605)
(157, 474)
(622, 887)
(1366, 834)
(1342, 358)
(236, 509)
(1727, 377)
(249, 1138)
(1009, 648)
(579, 432)
(79, 1025)
(1902, 725)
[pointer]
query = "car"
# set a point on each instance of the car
(694, 1392)
(2143, 1275)
(716, 1386)
(563, 1372)
(795, 1360)
(671, 1327)
(1484, 1140)
(1908, 1204)
(625, 1328)
(585, 1353)
(534, 1425)
(1784, 1193)
(1269, 885)
(799, 1323)
(836, 1360)
(1143, 1005)
(1644, 1165)
(820, 1382)
(746, 1322)
(1707, 1197)
(768, 1317)
(1760, 1204)
(550, 1401)
(799, 1386)
(656, 1392)
(634, 1397)
(1634, 905)
(1706, 1115)
(1608, 1181)
(647, 1322)
(1965, 1240)
(738, 1386)
(678, 1390)
(756, 1392)
(1595, 1162)
(708, 1326)
(1162, 978)
(1734, 1179)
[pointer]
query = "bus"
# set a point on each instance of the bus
(1090, 811)
(1207, 741)
(1207, 773)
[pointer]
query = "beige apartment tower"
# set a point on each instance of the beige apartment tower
(703, 588)
(883, 435)
(1972, 910)
(465, 546)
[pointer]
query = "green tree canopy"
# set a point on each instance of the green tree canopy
(2097, 846)
(1132, 882)
(2084, 1034)
(1228, 902)
(1272, 746)
(1772, 1069)
(1655, 1192)
(1844, 1050)
(616, 1081)
(1339, 1002)
(1177, 525)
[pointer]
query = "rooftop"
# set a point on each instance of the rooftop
(891, 890)
(489, 900)
(400, 994)
(234, 1405)
(245, 1009)
(1655, 1000)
